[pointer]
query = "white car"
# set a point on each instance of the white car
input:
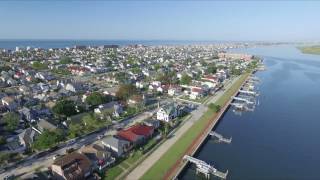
(55, 157)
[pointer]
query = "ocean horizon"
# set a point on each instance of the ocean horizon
(63, 43)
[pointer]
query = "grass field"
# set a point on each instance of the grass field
(112, 173)
(310, 49)
(160, 168)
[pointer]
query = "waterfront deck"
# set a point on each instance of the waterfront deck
(220, 137)
(205, 168)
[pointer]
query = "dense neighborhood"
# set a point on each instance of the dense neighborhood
(116, 102)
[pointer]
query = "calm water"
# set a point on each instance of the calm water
(280, 139)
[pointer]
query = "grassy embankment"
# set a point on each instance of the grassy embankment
(160, 168)
(310, 49)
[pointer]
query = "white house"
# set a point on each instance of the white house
(167, 113)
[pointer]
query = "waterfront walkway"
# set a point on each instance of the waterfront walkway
(143, 167)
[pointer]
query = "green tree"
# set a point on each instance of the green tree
(65, 60)
(125, 91)
(75, 129)
(12, 121)
(136, 70)
(2, 140)
(214, 107)
(4, 157)
(48, 139)
(39, 66)
(185, 79)
(235, 71)
(97, 98)
(65, 107)
(157, 67)
(91, 122)
(211, 69)
(167, 78)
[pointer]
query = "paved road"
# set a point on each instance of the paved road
(143, 167)
(33, 163)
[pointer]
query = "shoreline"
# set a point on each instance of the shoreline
(205, 123)
(211, 125)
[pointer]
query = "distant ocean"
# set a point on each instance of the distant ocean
(12, 44)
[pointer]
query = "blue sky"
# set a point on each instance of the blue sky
(161, 20)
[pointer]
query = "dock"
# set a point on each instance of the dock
(220, 137)
(205, 168)
(242, 99)
(248, 92)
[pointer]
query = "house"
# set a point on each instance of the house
(45, 76)
(136, 134)
(27, 114)
(27, 137)
(174, 90)
(98, 155)
(152, 122)
(71, 166)
(9, 102)
(168, 112)
(196, 92)
(45, 125)
(74, 87)
(112, 107)
(117, 146)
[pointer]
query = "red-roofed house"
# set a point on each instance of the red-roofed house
(136, 134)
(212, 78)
(196, 92)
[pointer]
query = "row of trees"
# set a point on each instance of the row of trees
(48, 139)
(97, 98)
(66, 108)
(87, 124)
(11, 119)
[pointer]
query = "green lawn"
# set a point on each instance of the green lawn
(132, 159)
(112, 173)
(310, 49)
(159, 169)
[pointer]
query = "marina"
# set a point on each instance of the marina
(257, 142)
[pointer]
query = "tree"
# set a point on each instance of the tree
(91, 122)
(65, 107)
(65, 60)
(235, 71)
(214, 107)
(136, 70)
(125, 91)
(12, 121)
(97, 98)
(48, 139)
(4, 157)
(185, 79)
(211, 69)
(167, 78)
(39, 66)
(75, 129)
(121, 77)
(2, 140)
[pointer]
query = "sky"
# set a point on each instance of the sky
(231, 20)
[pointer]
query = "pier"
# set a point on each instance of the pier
(248, 92)
(240, 106)
(205, 168)
(220, 137)
(244, 100)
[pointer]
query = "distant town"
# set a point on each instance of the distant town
(96, 112)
